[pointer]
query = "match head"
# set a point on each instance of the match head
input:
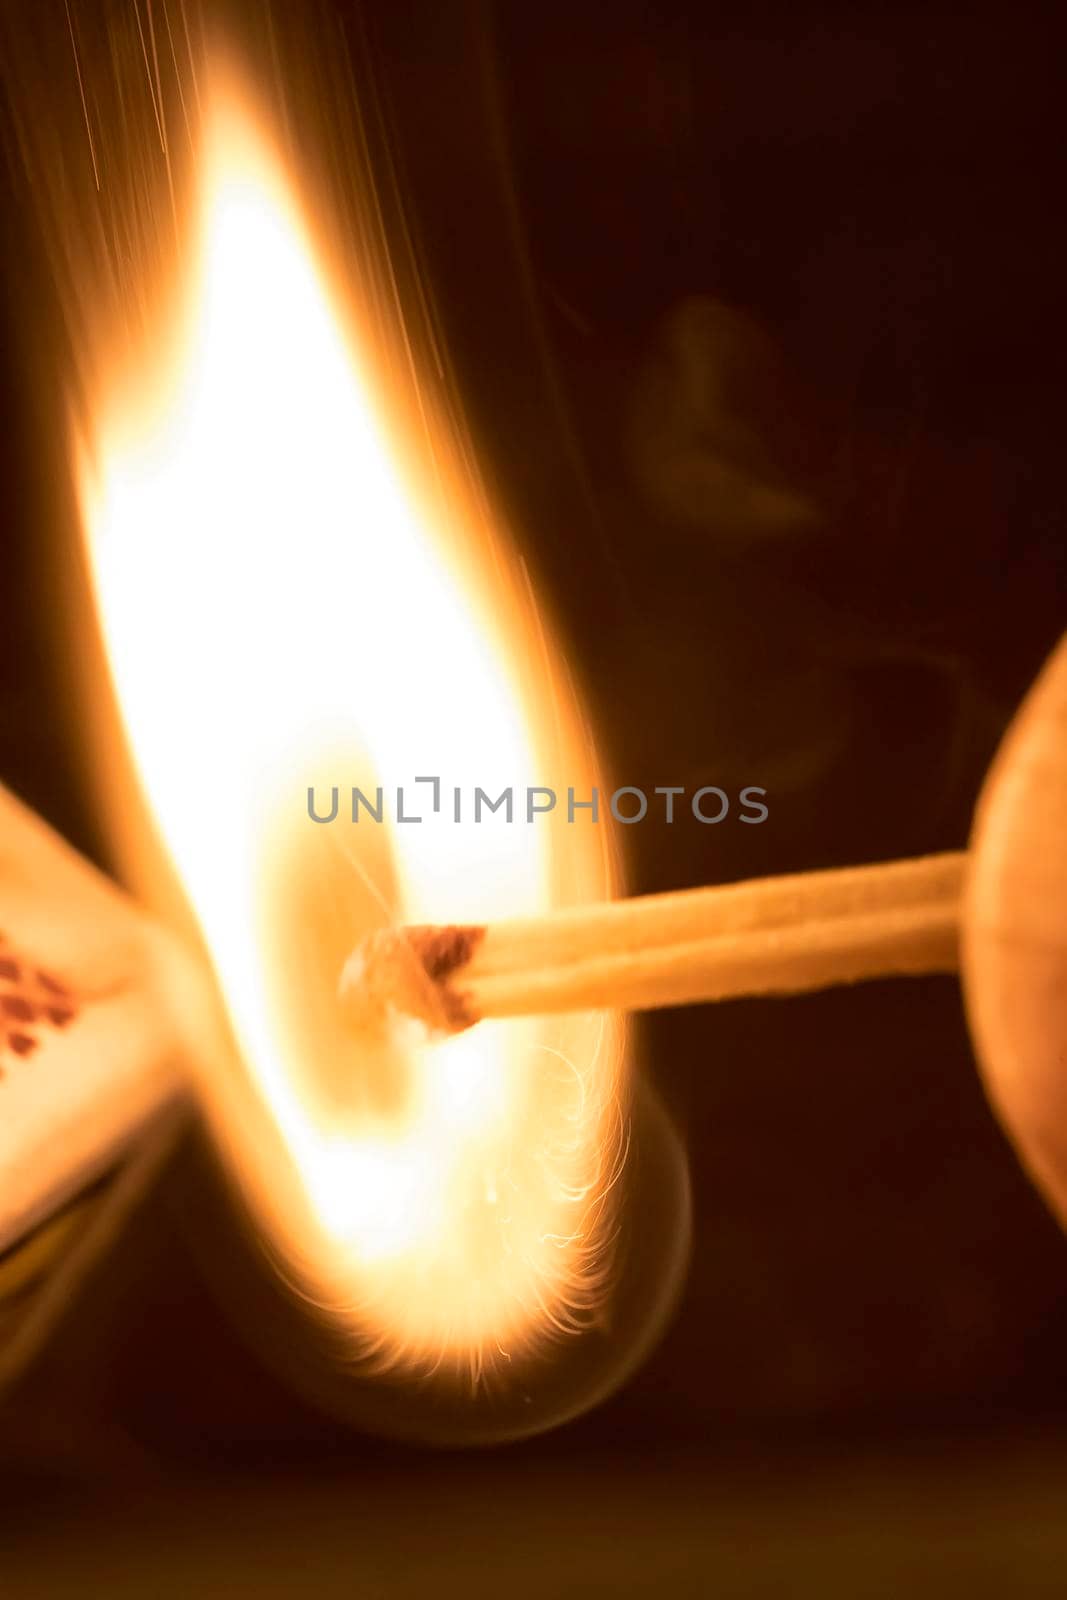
(409, 973)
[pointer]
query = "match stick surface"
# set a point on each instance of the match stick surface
(782, 935)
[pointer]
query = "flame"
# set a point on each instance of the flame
(282, 605)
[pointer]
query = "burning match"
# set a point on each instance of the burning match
(284, 562)
(786, 935)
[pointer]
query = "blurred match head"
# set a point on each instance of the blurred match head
(409, 975)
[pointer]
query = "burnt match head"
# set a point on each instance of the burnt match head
(413, 972)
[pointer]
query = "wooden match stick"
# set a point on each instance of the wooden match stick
(773, 936)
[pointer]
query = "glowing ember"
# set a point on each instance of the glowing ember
(281, 607)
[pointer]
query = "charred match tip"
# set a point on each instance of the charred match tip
(412, 972)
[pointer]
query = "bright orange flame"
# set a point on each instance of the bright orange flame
(278, 610)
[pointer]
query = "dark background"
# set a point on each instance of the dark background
(757, 313)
